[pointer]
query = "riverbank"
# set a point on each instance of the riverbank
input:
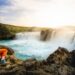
(8, 32)
(16, 29)
(61, 62)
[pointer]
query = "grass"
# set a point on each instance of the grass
(16, 29)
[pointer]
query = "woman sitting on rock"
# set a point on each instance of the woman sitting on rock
(3, 54)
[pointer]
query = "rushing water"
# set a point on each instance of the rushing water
(28, 45)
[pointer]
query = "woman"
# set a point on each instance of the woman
(3, 54)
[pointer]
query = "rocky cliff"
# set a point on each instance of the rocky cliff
(5, 34)
(58, 34)
(46, 34)
(61, 62)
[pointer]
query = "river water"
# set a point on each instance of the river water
(28, 45)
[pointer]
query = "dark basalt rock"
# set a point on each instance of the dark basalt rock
(60, 56)
(7, 36)
(61, 62)
(72, 59)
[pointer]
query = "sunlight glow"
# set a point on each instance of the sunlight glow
(43, 13)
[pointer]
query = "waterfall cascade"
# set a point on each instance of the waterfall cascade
(28, 35)
(29, 44)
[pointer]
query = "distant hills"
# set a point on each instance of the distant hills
(15, 29)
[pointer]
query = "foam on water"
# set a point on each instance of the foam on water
(28, 45)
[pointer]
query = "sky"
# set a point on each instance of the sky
(43, 13)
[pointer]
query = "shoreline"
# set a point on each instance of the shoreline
(61, 62)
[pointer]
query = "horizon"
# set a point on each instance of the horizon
(38, 13)
(66, 26)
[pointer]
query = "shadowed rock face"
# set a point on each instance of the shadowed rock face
(5, 34)
(59, 56)
(57, 34)
(73, 58)
(46, 34)
(61, 62)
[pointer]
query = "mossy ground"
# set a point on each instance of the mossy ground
(16, 29)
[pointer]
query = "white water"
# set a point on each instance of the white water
(28, 45)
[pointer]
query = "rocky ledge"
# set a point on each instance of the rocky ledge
(5, 34)
(61, 62)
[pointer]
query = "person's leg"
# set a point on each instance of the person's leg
(3, 61)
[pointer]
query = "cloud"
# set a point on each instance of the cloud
(51, 13)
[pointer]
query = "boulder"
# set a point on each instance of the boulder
(60, 56)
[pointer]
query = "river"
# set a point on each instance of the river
(28, 45)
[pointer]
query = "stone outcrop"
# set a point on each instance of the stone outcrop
(59, 56)
(61, 62)
(46, 34)
(5, 34)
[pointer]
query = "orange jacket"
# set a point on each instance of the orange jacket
(3, 52)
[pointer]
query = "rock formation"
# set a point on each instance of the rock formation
(61, 62)
(46, 34)
(5, 34)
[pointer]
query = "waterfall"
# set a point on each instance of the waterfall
(28, 35)
(64, 37)
(29, 45)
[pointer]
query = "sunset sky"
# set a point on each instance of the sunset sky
(47, 13)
